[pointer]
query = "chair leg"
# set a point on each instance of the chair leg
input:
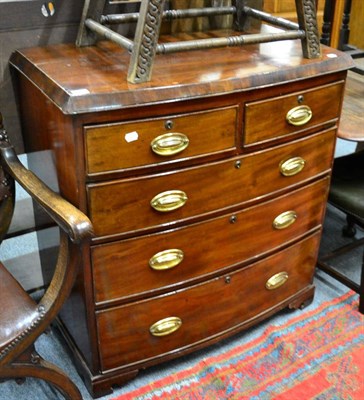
(349, 230)
(37, 367)
(361, 288)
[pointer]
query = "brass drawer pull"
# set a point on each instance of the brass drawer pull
(292, 166)
(166, 259)
(169, 144)
(285, 219)
(169, 200)
(299, 115)
(277, 280)
(165, 326)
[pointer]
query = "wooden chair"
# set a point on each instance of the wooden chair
(347, 185)
(145, 46)
(336, 29)
(22, 320)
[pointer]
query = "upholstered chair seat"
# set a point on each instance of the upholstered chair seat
(347, 185)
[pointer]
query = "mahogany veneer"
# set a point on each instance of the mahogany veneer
(206, 188)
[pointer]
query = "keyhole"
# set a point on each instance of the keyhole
(168, 124)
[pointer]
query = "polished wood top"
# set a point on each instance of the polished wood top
(92, 79)
(352, 118)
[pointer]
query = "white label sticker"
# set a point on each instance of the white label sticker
(79, 92)
(131, 137)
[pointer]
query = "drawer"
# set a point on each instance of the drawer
(142, 266)
(124, 206)
(284, 115)
(202, 311)
(156, 141)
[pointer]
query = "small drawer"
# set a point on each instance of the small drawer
(149, 329)
(140, 143)
(161, 200)
(272, 119)
(144, 265)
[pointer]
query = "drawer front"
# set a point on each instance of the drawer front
(271, 119)
(183, 318)
(161, 200)
(157, 141)
(141, 266)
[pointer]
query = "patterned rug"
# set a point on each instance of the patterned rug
(317, 355)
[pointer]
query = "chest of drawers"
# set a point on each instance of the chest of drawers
(206, 188)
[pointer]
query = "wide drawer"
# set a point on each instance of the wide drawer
(155, 141)
(144, 265)
(284, 115)
(187, 317)
(160, 200)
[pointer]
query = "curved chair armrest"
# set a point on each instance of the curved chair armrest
(68, 217)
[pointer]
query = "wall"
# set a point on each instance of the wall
(29, 23)
(25, 24)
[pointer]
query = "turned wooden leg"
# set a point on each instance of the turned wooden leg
(92, 9)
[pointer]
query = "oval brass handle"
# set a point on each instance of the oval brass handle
(299, 115)
(277, 280)
(166, 259)
(285, 219)
(165, 326)
(292, 166)
(169, 200)
(169, 144)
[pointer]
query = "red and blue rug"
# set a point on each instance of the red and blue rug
(318, 355)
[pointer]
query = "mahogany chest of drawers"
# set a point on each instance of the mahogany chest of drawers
(206, 187)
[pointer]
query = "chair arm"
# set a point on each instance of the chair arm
(68, 217)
